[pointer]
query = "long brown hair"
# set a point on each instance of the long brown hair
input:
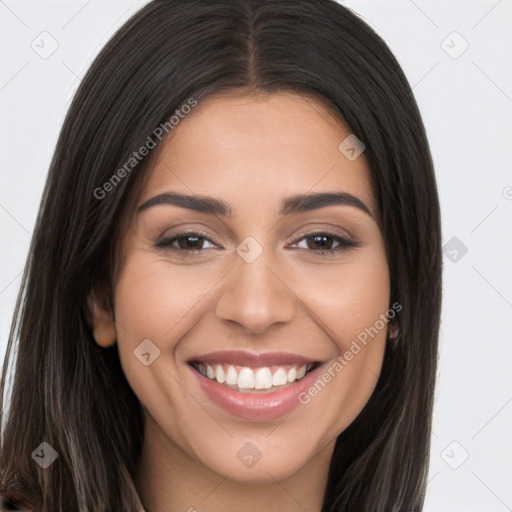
(72, 394)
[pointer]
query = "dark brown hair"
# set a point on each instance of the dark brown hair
(72, 394)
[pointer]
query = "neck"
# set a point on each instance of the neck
(170, 480)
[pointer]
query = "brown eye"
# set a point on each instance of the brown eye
(186, 242)
(325, 243)
(190, 242)
(320, 242)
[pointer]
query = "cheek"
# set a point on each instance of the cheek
(349, 297)
(158, 302)
(154, 298)
(350, 304)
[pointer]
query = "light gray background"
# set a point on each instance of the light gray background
(466, 101)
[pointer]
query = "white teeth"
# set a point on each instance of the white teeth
(292, 374)
(263, 379)
(258, 378)
(301, 371)
(246, 379)
(231, 376)
(219, 374)
(279, 378)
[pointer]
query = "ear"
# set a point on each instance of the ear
(394, 329)
(102, 319)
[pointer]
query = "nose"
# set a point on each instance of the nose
(256, 297)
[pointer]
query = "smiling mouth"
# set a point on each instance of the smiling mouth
(247, 379)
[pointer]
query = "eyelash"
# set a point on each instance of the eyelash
(344, 243)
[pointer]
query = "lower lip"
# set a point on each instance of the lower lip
(256, 406)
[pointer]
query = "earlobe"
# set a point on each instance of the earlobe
(394, 329)
(102, 320)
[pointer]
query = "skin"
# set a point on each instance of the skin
(252, 152)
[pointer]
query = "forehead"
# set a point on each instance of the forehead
(254, 149)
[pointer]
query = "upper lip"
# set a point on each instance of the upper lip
(243, 358)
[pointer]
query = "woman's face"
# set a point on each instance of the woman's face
(283, 271)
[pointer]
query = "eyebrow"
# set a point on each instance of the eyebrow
(295, 204)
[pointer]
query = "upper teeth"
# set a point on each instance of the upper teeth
(253, 378)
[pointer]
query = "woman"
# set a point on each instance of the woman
(233, 292)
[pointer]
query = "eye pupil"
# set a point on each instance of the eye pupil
(322, 242)
(191, 242)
